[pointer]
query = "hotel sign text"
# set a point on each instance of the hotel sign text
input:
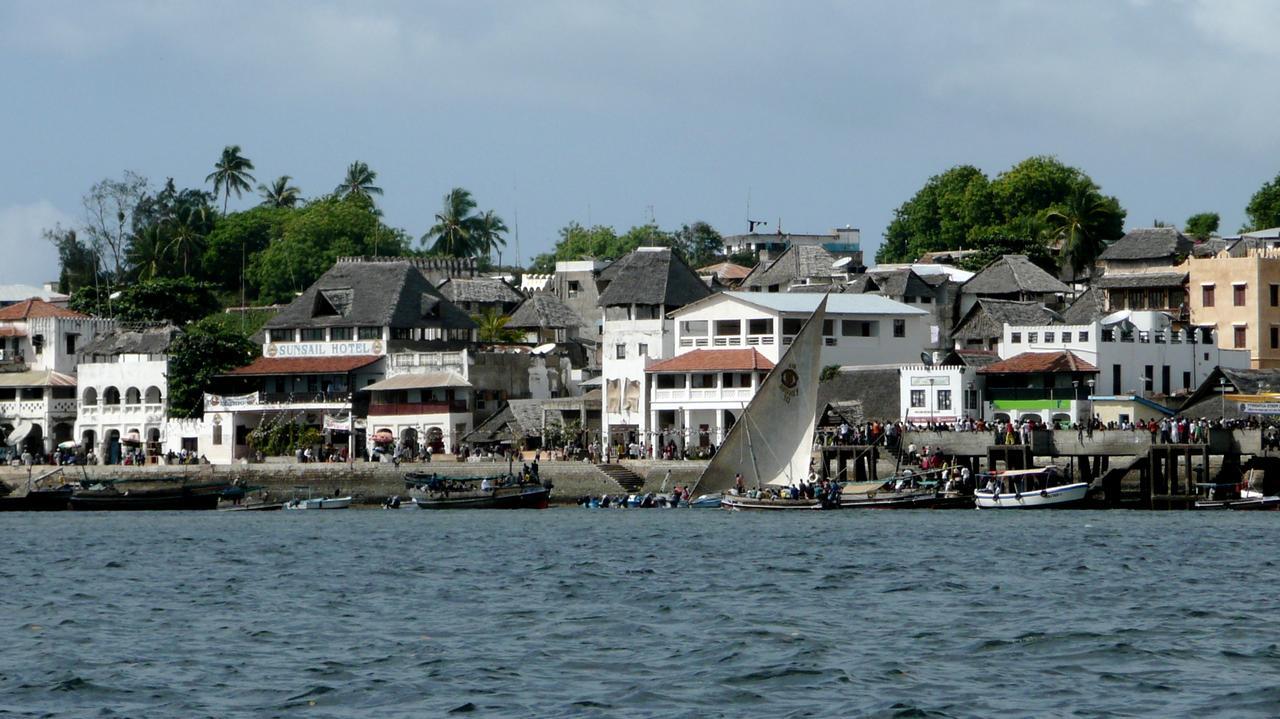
(323, 349)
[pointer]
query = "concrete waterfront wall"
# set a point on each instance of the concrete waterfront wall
(1065, 443)
(368, 482)
(683, 472)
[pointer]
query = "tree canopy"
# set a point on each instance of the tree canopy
(1264, 207)
(961, 207)
(1202, 224)
(698, 243)
(203, 351)
(178, 300)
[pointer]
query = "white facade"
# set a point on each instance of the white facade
(938, 393)
(125, 396)
(844, 239)
(861, 329)
(1141, 354)
(629, 345)
(696, 408)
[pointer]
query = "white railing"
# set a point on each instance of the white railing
(702, 393)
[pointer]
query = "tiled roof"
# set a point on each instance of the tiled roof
(713, 360)
(303, 365)
(36, 307)
(1027, 362)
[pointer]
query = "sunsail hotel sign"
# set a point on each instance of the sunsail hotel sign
(323, 349)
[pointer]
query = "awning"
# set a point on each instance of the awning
(36, 378)
(424, 380)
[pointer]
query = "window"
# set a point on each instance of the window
(1015, 338)
(574, 288)
(1275, 338)
(670, 381)
(944, 399)
(899, 328)
(71, 342)
(37, 343)
(1206, 335)
(917, 398)
(1048, 336)
(1275, 295)
(1147, 379)
(1033, 337)
(728, 328)
(1084, 337)
(642, 349)
(1186, 380)
(859, 328)
(828, 328)
(339, 334)
(369, 333)
(1237, 294)
(282, 336)
(1164, 379)
(694, 327)
(791, 325)
(620, 351)
(401, 333)
(1240, 339)
(1066, 337)
(760, 327)
(217, 434)
(1206, 295)
(909, 299)
(1115, 379)
(313, 334)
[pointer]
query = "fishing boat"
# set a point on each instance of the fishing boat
(42, 494)
(497, 492)
(756, 469)
(174, 494)
(1240, 497)
(1039, 488)
(896, 493)
(319, 503)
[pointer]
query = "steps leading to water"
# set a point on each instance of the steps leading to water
(629, 480)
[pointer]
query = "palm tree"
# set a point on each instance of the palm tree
(1077, 224)
(454, 231)
(280, 193)
(488, 233)
(492, 327)
(147, 252)
(231, 174)
(359, 181)
(187, 232)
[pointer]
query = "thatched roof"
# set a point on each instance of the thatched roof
(1140, 280)
(372, 294)
(1089, 307)
(875, 387)
(1148, 243)
(1207, 400)
(797, 262)
(1011, 275)
(651, 276)
(140, 341)
(988, 317)
(543, 310)
(479, 289)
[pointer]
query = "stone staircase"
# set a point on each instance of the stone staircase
(629, 480)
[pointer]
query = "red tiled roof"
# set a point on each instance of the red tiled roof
(712, 360)
(9, 331)
(1061, 361)
(303, 365)
(725, 271)
(36, 307)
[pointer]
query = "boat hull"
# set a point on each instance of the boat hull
(37, 501)
(529, 497)
(1247, 504)
(1062, 497)
(143, 502)
(320, 503)
(737, 503)
(889, 500)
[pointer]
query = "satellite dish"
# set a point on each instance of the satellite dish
(1116, 318)
(19, 433)
(544, 349)
(925, 359)
(841, 263)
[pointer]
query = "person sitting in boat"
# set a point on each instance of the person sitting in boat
(485, 485)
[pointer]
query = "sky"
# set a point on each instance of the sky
(815, 114)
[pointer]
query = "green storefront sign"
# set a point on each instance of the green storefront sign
(1032, 404)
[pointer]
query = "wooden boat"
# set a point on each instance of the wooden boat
(112, 498)
(437, 492)
(257, 507)
(757, 465)
(37, 500)
(896, 493)
(1040, 488)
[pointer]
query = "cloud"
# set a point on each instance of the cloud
(32, 260)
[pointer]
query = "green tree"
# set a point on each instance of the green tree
(453, 233)
(493, 327)
(1010, 240)
(280, 193)
(310, 240)
(359, 181)
(944, 214)
(147, 253)
(488, 231)
(231, 174)
(699, 243)
(1080, 223)
(198, 355)
(238, 237)
(187, 232)
(1202, 225)
(77, 262)
(1264, 207)
(178, 300)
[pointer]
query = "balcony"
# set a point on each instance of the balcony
(703, 394)
(399, 408)
(342, 398)
(995, 394)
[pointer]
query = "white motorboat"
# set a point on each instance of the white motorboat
(1040, 488)
(766, 457)
(319, 503)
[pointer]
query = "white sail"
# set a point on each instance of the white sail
(772, 442)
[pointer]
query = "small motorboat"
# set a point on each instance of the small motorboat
(499, 492)
(1040, 488)
(1240, 497)
(765, 501)
(905, 492)
(319, 503)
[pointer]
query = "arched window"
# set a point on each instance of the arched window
(132, 396)
(90, 396)
(111, 396)
(153, 396)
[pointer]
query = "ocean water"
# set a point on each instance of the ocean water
(640, 613)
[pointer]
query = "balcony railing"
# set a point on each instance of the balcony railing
(304, 398)
(702, 394)
(1017, 393)
(401, 408)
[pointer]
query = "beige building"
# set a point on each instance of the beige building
(1240, 295)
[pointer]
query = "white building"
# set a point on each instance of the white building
(39, 349)
(842, 240)
(636, 294)
(938, 393)
(727, 342)
(123, 393)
